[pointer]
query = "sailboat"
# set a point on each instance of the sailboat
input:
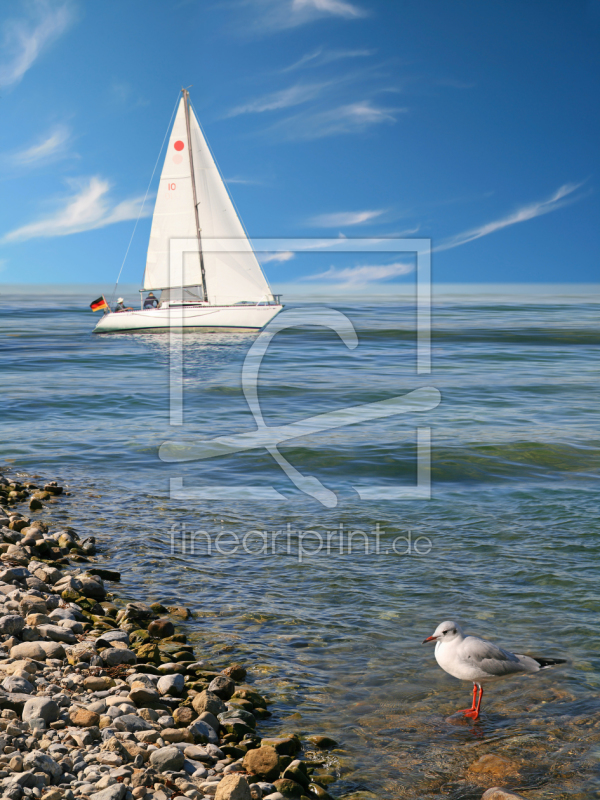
(217, 285)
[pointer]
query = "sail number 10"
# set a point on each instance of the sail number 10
(171, 187)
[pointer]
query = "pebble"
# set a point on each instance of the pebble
(105, 700)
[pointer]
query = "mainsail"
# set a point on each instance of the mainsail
(230, 277)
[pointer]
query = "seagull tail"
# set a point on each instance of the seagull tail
(549, 662)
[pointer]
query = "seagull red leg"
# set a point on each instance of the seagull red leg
(469, 711)
(473, 713)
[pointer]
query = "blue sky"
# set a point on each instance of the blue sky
(474, 124)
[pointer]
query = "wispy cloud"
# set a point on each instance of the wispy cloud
(342, 219)
(345, 119)
(26, 39)
(353, 276)
(283, 256)
(321, 56)
(337, 8)
(561, 197)
(50, 147)
(244, 181)
(270, 16)
(284, 98)
(88, 208)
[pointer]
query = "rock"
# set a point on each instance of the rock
(263, 762)
(285, 746)
(495, 793)
(196, 753)
(83, 651)
(296, 771)
(115, 792)
(35, 504)
(11, 624)
(53, 650)
(236, 672)
(131, 723)
(36, 619)
(57, 634)
(28, 650)
(98, 684)
(109, 637)
(207, 701)
(323, 742)
(32, 604)
(288, 788)
(203, 733)
(167, 758)
(184, 716)
(211, 720)
(491, 767)
(141, 694)
(246, 693)
(40, 761)
(83, 717)
(106, 574)
(179, 611)
(148, 737)
(171, 684)
(238, 713)
(233, 787)
(149, 653)
(173, 735)
(138, 611)
(14, 684)
(113, 656)
(222, 686)
(237, 727)
(322, 794)
(161, 628)
(43, 707)
(93, 587)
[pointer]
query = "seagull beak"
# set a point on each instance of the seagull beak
(429, 639)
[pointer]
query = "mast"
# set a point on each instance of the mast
(186, 97)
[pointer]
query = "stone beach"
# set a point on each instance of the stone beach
(103, 698)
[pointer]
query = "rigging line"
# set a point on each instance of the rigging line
(144, 201)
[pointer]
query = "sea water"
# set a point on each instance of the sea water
(328, 606)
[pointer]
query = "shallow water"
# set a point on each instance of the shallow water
(507, 544)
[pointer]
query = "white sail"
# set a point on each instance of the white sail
(230, 277)
(173, 213)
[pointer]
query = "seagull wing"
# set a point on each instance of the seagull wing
(493, 660)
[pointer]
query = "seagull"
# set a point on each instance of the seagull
(470, 658)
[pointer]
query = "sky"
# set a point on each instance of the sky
(475, 125)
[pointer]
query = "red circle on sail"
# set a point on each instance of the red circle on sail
(178, 145)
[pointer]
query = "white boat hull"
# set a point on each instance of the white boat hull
(192, 317)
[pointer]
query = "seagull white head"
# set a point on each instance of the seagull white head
(445, 632)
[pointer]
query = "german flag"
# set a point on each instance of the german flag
(99, 304)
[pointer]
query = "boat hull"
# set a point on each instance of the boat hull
(217, 319)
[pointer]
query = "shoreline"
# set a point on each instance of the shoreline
(103, 698)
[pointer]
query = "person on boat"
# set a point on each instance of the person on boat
(121, 306)
(150, 301)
